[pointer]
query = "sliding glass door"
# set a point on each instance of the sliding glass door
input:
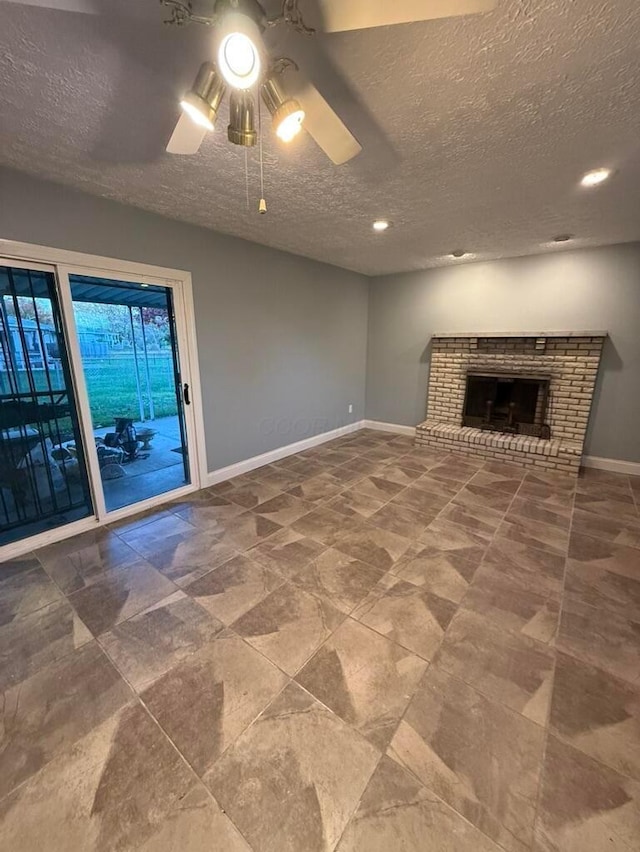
(128, 347)
(43, 476)
(96, 413)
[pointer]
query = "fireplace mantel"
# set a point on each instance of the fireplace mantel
(500, 335)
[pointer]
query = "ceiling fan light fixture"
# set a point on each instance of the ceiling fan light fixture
(202, 101)
(287, 114)
(198, 110)
(287, 120)
(241, 130)
(239, 50)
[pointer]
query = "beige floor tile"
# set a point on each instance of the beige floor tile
(619, 531)
(208, 699)
(286, 552)
(508, 667)
(478, 756)
(33, 641)
(74, 569)
(526, 567)
(324, 525)
(123, 786)
(494, 594)
(534, 533)
(294, 778)
(479, 495)
(477, 519)
(588, 552)
(184, 558)
(407, 615)
(401, 520)
(283, 509)
(443, 573)
(364, 678)
(397, 813)
(597, 714)
(152, 642)
(288, 626)
(585, 805)
(47, 713)
(119, 594)
(532, 510)
(354, 504)
(373, 545)
(340, 579)
(600, 637)
(24, 588)
(232, 589)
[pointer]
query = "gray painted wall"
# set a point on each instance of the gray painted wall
(588, 289)
(281, 339)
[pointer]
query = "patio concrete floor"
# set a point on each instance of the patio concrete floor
(156, 471)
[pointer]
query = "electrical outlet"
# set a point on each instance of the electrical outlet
(350, 408)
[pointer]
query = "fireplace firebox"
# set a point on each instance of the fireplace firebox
(507, 402)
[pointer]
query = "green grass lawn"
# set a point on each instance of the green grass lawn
(111, 383)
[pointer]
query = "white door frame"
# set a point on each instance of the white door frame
(64, 263)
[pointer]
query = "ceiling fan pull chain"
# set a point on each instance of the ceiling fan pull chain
(246, 175)
(262, 206)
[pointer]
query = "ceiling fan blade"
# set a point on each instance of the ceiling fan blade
(86, 6)
(322, 123)
(187, 137)
(108, 8)
(340, 16)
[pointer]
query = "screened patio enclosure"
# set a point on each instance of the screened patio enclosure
(40, 486)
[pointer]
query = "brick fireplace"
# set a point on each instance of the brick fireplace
(523, 398)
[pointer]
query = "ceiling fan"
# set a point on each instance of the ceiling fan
(240, 63)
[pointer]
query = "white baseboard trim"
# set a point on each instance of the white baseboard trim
(389, 427)
(237, 469)
(614, 465)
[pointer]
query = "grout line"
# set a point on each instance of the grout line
(547, 727)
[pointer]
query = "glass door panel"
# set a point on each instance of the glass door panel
(128, 347)
(43, 476)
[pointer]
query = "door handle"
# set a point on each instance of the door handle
(185, 394)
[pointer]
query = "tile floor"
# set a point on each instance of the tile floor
(367, 647)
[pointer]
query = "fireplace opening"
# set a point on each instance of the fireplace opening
(507, 402)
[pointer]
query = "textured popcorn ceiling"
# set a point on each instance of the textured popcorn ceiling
(475, 130)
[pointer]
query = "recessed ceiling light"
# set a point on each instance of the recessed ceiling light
(596, 177)
(380, 225)
(458, 253)
(563, 238)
